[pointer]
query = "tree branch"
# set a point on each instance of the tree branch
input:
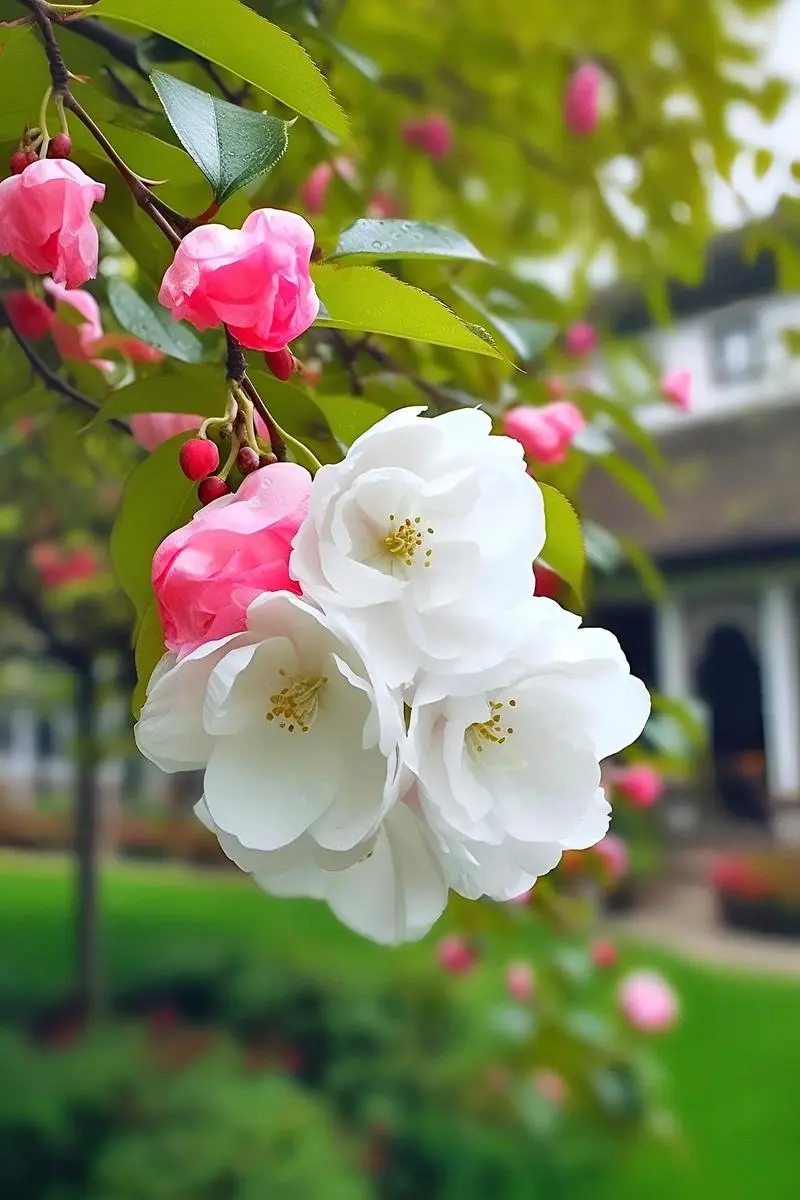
(49, 378)
(123, 49)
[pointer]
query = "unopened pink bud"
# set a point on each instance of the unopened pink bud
(520, 981)
(582, 100)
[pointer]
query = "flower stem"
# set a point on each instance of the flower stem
(300, 450)
(43, 123)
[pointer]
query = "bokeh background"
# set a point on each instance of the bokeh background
(168, 1032)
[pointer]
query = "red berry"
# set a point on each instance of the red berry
(248, 460)
(282, 363)
(30, 158)
(60, 146)
(199, 458)
(18, 162)
(212, 489)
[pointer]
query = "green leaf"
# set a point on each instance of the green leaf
(156, 499)
(652, 579)
(367, 299)
(152, 323)
(563, 548)
(232, 146)
(192, 389)
(762, 162)
(348, 416)
(527, 337)
(602, 547)
(625, 418)
(634, 481)
(375, 240)
(238, 39)
(148, 652)
(795, 169)
(791, 340)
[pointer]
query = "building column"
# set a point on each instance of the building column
(673, 674)
(780, 665)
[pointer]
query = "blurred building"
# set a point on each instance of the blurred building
(726, 631)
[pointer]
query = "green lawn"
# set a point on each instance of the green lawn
(734, 1062)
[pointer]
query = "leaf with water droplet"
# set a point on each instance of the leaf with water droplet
(381, 239)
(232, 146)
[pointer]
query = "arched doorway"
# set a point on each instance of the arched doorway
(728, 680)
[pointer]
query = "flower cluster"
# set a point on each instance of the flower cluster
(382, 707)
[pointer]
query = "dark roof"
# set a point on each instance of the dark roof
(730, 487)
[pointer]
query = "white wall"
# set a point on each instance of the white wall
(689, 345)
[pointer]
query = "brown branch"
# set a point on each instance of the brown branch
(50, 379)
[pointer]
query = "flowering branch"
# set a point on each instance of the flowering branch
(171, 223)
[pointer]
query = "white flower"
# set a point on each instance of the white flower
(392, 891)
(297, 739)
(427, 528)
(507, 760)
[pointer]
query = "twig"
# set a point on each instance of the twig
(235, 365)
(233, 97)
(348, 353)
(275, 437)
(127, 94)
(124, 49)
(438, 395)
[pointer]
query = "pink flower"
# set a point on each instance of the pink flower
(206, 574)
(58, 567)
(640, 784)
(29, 315)
(151, 429)
(580, 339)
(254, 279)
(45, 224)
(520, 981)
(581, 100)
(433, 135)
(456, 955)
(544, 433)
(648, 1002)
(604, 954)
(614, 854)
(676, 388)
(131, 347)
(550, 1086)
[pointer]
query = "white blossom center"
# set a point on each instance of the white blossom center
(406, 540)
(295, 706)
(492, 732)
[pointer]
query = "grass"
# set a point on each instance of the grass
(733, 1063)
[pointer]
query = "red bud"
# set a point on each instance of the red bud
(282, 363)
(198, 458)
(212, 489)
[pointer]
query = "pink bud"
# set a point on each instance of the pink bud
(604, 954)
(648, 1002)
(456, 955)
(315, 188)
(547, 582)
(520, 981)
(383, 204)
(580, 339)
(433, 135)
(550, 1086)
(640, 784)
(676, 388)
(29, 315)
(581, 100)
(614, 854)
(544, 433)
(556, 387)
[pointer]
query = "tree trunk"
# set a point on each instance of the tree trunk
(90, 986)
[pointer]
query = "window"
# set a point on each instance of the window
(737, 349)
